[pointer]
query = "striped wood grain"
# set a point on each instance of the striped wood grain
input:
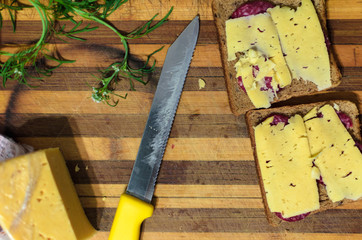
(208, 188)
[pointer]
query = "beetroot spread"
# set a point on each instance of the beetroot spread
(294, 218)
(252, 8)
(320, 180)
(279, 118)
(345, 119)
(359, 145)
(255, 70)
(267, 84)
(240, 83)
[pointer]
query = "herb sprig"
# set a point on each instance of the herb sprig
(26, 64)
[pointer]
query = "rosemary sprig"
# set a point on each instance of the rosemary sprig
(25, 63)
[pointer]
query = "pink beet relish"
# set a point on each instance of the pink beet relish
(359, 145)
(294, 218)
(345, 119)
(252, 8)
(277, 118)
(268, 85)
(255, 70)
(240, 83)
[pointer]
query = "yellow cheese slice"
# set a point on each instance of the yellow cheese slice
(303, 43)
(336, 156)
(38, 199)
(286, 167)
(257, 32)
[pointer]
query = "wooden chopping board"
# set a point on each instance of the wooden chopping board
(207, 186)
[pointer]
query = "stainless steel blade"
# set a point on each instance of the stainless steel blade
(162, 113)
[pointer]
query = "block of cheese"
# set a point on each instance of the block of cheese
(286, 167)
(303, 43)
(38, 199)
(257, 33)
(336, 155)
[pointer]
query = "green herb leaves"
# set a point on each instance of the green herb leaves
(26, 64)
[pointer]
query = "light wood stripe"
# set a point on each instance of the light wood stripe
(188, 9)
(285, 235)
(189, 149)
(349, 55)
(205, 55)
(79, 102)
(174, 191)
(112, 202)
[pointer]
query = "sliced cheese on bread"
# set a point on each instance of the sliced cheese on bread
(286, 167)
(336, 154)
(303, 43)
(257, 33)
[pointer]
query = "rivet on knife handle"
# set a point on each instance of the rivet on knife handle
(131, 212)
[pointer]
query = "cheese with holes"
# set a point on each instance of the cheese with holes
(38, 199)
(286, 167)
(336, 155)
(259, 34)
(303, 43)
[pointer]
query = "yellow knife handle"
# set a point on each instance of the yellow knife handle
(129, 216)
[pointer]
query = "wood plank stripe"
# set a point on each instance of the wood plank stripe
(126, 126)
(112, 202)
(188, 9)
(213, 77)
(349, 55)
(60, 80)
(234, 220)
(171, 172)
(79, 102)
(206, 55)
(173, 191)
(105, 202)
(340, 32)
(282, 235)
(226, 149)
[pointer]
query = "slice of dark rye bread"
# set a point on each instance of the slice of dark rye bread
(238, 99)
(255, 117)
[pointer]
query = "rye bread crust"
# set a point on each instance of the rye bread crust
(238, 100)
(255, 117)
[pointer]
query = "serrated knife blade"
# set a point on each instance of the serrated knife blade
(134, 205)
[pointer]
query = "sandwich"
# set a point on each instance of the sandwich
(308, 158)
(273, 50)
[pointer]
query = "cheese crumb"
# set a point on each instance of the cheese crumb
(76, 169)
(202, 83)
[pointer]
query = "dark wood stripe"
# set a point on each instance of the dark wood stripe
(233, 220)
(345, 31)
(340, 32)
(171, 172)
(91, 125)
(213, 77)
(81, 77)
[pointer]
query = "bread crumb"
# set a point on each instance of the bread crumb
(76, 169)
(104, 199)
(86, 167)
(202, 83)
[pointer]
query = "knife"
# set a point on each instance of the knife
(135, 204)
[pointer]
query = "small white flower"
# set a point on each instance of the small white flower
(115, 68)
(16, 71)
